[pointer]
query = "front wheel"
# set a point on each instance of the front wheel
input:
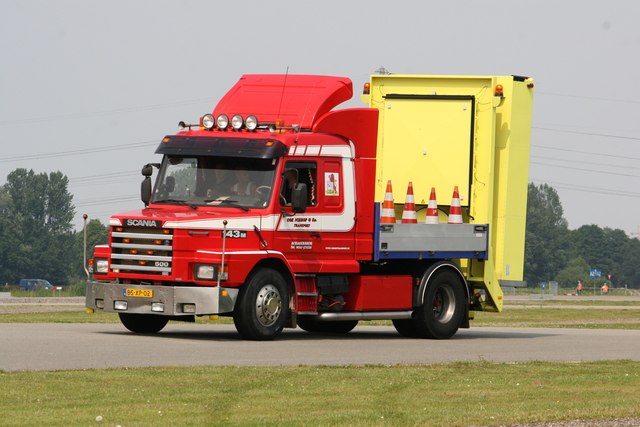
(262, 307)
(143, 323)
(443, 306)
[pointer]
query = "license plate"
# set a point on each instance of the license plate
(143, 293)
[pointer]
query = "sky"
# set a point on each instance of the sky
(89, 88)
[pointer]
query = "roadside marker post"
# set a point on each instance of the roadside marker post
(595, 274)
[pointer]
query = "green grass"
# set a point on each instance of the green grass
(531, 317)
(561, 318)
(456, 394)
(79, 316)
(76, 289)
(577, 302)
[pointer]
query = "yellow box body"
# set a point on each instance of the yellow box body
(447, 131)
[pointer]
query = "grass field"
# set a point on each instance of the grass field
(532, 317)
(456, 394)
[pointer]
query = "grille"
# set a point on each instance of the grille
(141, 250)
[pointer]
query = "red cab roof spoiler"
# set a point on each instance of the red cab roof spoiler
(296, 99)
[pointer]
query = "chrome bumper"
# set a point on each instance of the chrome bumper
(175, 300)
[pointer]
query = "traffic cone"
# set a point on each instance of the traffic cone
(409, 213)
(388, 213)
(432, 209)
(455, 212)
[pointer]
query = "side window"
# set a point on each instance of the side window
(303, 173)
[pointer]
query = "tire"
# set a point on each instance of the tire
(443, 306)
(262, 308)
(143, 323)
(405, 327)
(310, 324)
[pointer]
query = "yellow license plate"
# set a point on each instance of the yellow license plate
(143, 293)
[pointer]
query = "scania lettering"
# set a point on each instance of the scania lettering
(279, 210)
(142, 223)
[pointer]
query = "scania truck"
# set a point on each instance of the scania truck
(268, 209)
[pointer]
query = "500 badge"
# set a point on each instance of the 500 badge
(162, 264)
(234, 234)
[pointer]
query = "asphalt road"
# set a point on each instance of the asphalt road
(49, 346)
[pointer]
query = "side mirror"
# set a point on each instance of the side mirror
(147, 170)
(299, 197)
(145, 187)
(145, 190)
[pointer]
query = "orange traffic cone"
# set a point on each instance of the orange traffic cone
(388, 213)
(432, 209)
(455, 212)
(409, 213)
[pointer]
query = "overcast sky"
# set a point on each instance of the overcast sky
(89, 88)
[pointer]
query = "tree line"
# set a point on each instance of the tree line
(37, 240)
(553, 252)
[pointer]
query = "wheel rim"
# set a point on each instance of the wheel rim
(444, 304)
(268, 305)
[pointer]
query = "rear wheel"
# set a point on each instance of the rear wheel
(262, 307)
(405, 327)
(443, 305)
(143, 323)
(310, 324)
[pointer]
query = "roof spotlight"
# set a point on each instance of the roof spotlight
(237, 122)
(223, 122)
(208, 121)
(251, 123)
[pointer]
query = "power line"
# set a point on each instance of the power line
(587, 189)
(106, 112)
(586, 152)
(100, 176)
(111, 201)
(584, 170)
(583, 127)
(587, 133)
(79, 152)
(588, 97)
(583, 162)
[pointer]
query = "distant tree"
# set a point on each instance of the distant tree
(97, 234)
(12, 254)
(547, 235)
(36, 238)
(627, 272)
(602, 248)
(576, 269)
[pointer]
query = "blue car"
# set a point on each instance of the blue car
(33, 284)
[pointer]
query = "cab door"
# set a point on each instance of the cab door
(321, 239)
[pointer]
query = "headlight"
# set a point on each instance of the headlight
(101, 266)
(222, 122)
(251, 123)
(237, 122)
(208, 121)
(205, 271)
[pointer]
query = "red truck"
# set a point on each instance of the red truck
(268, 211)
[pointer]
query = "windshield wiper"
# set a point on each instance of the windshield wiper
(220, 201)
(177, 202)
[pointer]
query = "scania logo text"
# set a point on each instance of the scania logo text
(142, 223)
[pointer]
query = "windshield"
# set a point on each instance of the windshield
(215, 181)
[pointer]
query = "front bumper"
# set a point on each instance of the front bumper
(174, 300)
